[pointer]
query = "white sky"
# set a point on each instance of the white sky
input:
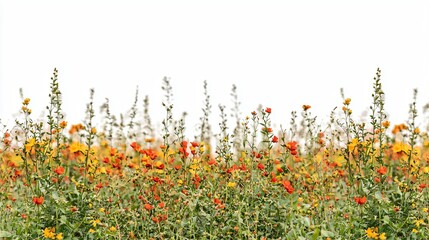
(280, 54)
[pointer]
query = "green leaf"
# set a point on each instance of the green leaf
(4, 234)
(316, 234)
(327, 233)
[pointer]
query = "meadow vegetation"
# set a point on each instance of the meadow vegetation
(118, 179)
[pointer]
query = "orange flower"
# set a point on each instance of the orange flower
(268, 110)
(135, 146)
(275, 139)
(38, 200)
(288, 186)
(148, 207)
(59, 170)
(268, 130)
(293, 148)
(306, 107)
(212, 161)
(63, 124)
(382, 170)
(360, 200)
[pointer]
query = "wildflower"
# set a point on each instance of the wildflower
(29, 145)
(372, 233)
(91, 230)
(49, 233)
(267, 130)
(414, 230)
(38, 200)
(306, 107)
(112, 229)
(347, 101)
(360, 200)
(231, 184)
(59, 170)
(261, 166)
(26, 101)
(135, 146)
(95, 222)
(419, 222)
(212, 161)
(385, 124)
(217, 201)
(417, 131)
(93, 130)
(275, 139)
(382, 170)
(63, 124)
(159, 165)
(148, 207)
(382, 236)
(288, 186)
(293, 148)
(268, 110)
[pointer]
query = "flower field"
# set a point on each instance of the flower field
(120, 179)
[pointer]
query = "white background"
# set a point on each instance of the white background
(280, 54)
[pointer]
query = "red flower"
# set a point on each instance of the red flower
(306, 107)
(288, 186)
(261, 166)
(275, 139)
(360, 200)
(59, 170)
(212, 162)
(217, 201)
(382, 170)
(293, 148)
(148, 207)
(268, 110)
(38, 200)
(135, 146)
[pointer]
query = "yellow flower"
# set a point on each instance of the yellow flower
(347, 101)
(93, 130)
(26, 101)
(101, 210)
(372, 233)
(76, 146)
(417, 130)
(95, 222)
(91, 230)
(419, 222)
(30, 144)
(425, 210)
(59, 236)
(231, 184)
(382, 236)
(112, 229)
(414, 230)
(353, 144)
(49, 233)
